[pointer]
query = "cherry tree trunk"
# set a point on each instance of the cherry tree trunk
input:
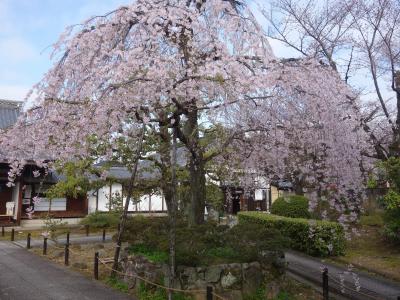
(197, 192)
(196, 170)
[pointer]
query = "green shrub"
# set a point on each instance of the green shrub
(314, 237)
(392, 224)
(292, 206)
(101, 219)
(151, 253)
(117, 284)
(391, 201)
(203, 244)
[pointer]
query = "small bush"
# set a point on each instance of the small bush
(293, 206)
(101, 219)
(314, 237)
(54, 227)
(117, 284)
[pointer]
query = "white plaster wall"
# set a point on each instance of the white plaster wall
(15, 198)
(104, 193)
(91, 201)
(143, 204)
(156, 203)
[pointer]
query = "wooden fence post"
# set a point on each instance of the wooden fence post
(96, 265)
(104, 235)
(87, 230)
(68, 237)
(2, 231)
(28, 241)
(209, 293)
(325, 284)
(66, 255)
(12, 234)
(45, 246)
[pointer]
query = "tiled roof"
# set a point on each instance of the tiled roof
(9, 111)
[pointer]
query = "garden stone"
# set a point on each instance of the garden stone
(213, 274)
(227, 281)
(252, 278)
(187, 276)
(201, 273)
(198, 285)
(234, 270)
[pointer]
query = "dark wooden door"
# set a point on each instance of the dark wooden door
(5, 196)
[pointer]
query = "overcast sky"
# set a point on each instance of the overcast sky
(28, 28)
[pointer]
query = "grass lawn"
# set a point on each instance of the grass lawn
(371, 252)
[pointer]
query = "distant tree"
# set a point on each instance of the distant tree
(358, 39)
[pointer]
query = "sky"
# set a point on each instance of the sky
(28, 28)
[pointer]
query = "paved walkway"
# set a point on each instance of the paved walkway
(26, 276)
(80, 239)
(308, 268)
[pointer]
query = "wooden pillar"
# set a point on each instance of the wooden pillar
(97, 200)
(19, 204)
(109, 202)
(96, 266)
(86, 205)
(325, 284)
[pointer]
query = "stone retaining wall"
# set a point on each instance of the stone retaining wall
(231, 280)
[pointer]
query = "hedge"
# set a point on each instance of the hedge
(314, 237)
(292, 206)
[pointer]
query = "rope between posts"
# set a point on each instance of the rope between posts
(353, 290)
(156, 284)
(63, 248)
(341, 284)
(218, 296)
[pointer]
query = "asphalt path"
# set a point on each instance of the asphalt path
(27, 276)
(340, 279)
